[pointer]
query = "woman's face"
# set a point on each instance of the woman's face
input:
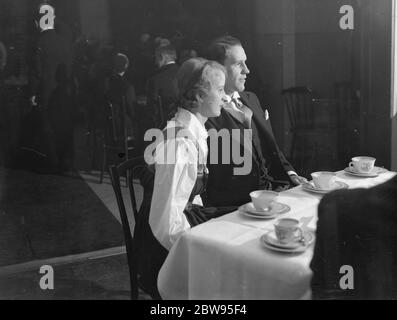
(214, 99)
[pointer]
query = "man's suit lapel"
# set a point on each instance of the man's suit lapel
(262, 124)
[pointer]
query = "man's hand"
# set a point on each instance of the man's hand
(282, 188)
(297, 180)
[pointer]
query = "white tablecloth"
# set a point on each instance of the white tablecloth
(224, 259)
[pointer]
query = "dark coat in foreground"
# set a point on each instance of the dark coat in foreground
(357, 228)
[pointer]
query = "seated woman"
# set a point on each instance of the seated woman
(174, 205)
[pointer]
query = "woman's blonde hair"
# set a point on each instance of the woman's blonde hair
(194, 78)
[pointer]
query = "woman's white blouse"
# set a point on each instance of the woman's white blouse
(176, 161)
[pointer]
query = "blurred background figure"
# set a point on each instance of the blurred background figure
(51, 53)
(121, 92)
(99, 71)
(161, 42)
(82, 61)
(50, 50)
(60, 112)
(143, 66)
(3, 61)
(162, 89)
(187, 54)
(145, 37)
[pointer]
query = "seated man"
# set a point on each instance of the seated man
(267, 168)
(357, 232)
(164, 83)
(120, 92)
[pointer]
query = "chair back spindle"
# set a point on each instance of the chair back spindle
(129, 169)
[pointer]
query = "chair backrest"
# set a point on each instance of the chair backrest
(157, 113)
(348, 104)
(298, 101)
(162, 112)
(115, 123)
(132, 169)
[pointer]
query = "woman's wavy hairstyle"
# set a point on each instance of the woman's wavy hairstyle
(194, 78)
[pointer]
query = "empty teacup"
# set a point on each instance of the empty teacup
(323, 180)
(362, 164)
(263, 199)
(288, 230)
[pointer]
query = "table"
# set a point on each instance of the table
(224, 259)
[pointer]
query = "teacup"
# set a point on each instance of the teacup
(323, 180)
(263, 199)
(288, 230)
(362, 164)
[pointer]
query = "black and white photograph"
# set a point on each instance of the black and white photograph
(198, 150)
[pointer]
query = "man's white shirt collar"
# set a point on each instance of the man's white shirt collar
(244, 115)
(234, 96)
(231, 105)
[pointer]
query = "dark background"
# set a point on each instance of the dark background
(288, 43)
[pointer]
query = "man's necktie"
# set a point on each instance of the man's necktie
(244, 111)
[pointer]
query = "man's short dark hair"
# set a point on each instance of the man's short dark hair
(168, 51)
(120, 63)
(218, 48)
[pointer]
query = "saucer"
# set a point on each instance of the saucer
(376, 171)
(269, 241)
(337, 185)
(249, 210)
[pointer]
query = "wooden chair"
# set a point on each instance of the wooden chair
(313, 136)
(298, 102)
(155, 116)
(115, 137)
(131, 169)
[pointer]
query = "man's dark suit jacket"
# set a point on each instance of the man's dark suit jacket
(120, 88)
(51, 50)
(49, 73)
(121, 94)
(357, 228)
(223, 187)
(164, 83)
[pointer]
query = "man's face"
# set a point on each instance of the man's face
(160, 60)
(237, 70)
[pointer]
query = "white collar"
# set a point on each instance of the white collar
(234, 96)
(230, 104)
(189, 121)
(169, 62)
